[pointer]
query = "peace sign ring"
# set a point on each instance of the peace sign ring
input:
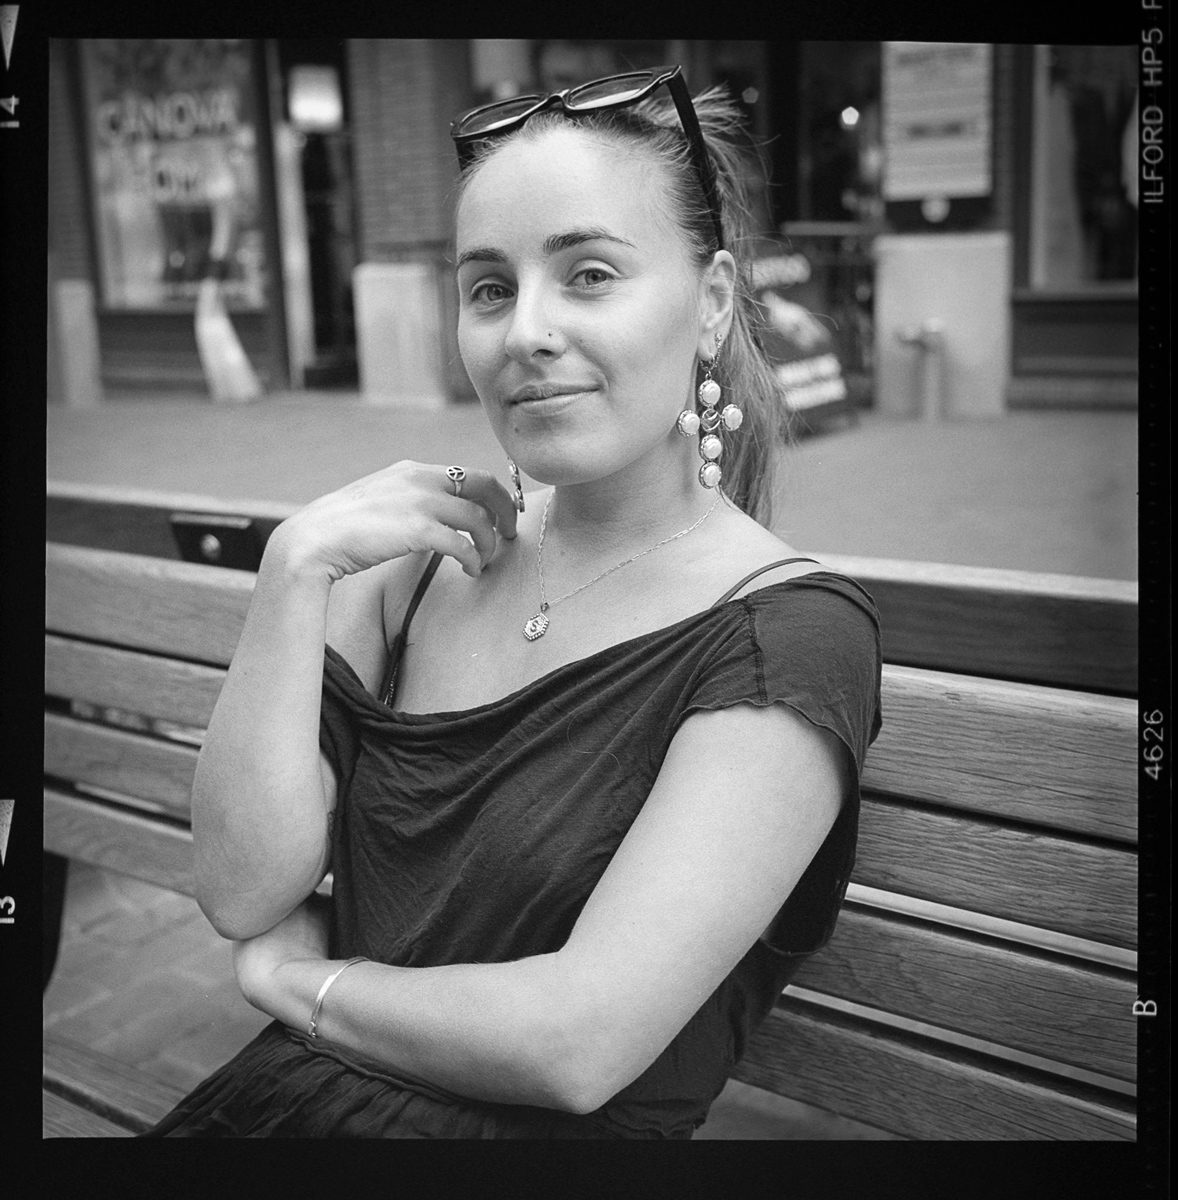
(456, 475)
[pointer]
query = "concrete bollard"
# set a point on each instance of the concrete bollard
(929, 341)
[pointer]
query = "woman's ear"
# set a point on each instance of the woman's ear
(717, 300)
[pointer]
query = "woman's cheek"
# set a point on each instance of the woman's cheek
(475, 351)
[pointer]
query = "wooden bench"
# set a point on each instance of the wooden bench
(87, 1094)
(980, 984)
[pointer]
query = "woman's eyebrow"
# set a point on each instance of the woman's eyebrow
(482, 254)
(574, 237)
(553, 244)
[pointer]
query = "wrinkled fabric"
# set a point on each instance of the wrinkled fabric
(477, 836)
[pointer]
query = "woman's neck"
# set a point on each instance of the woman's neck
(642, 503)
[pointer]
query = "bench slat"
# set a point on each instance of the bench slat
(145, 849)
(121, 761)
(1064, 760)
(104, 1086)
(138, 522)
(61, 1118)
(1060, 630)
(981, 987)
(908, 1086)
(141, 683)
(1082, 889)
(181, 609)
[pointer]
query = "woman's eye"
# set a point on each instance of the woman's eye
(593, 276)
(489, 293)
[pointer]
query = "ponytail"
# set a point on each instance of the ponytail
(741, 368)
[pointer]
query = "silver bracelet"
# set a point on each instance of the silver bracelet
(323, 992)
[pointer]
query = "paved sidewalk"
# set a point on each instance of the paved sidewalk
(1037, 491)
(142, 977)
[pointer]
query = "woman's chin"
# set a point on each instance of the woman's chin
(561, 462)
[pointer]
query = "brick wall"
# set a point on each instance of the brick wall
(404, 93)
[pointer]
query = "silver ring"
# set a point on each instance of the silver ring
(456, 475)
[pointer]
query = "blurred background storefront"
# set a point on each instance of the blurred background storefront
(934, 212)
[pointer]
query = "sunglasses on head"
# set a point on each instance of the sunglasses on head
(614, 91)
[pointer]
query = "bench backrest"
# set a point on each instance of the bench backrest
(980, 981)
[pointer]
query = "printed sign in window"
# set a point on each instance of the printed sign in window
(937, 124)
(172, 130)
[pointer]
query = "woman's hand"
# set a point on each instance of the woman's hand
(401, 509)
(301, 934)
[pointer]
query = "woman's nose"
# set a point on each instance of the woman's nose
(534, 328)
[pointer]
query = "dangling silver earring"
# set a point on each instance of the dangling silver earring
(707, 423)
(518, 491)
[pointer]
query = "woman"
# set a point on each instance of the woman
(587, 793)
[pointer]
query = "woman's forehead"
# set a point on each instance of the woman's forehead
(533, 187)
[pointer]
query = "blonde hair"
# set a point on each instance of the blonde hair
(740, 368)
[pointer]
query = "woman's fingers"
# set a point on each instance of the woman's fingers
(448, 540)
(469, 517)
(473, 518)
(483, 488)
(482, 508)
(405, 507)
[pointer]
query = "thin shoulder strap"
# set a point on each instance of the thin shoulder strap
(389, 683)
(759, 571)
(430, 570)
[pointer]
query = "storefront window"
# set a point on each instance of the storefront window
(173, 133)
(1084, 174)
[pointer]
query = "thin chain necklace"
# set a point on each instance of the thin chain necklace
(536, 626)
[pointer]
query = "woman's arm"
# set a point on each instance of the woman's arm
(743, 801)
(262, 794)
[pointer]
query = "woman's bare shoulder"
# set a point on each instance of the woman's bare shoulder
(749, 547)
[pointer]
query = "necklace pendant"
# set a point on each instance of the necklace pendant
(536, 627)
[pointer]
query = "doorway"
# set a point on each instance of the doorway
(319, 225)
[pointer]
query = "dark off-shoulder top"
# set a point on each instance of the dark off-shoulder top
(478, 835)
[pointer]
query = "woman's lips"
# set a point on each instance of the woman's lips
(545, 391)
(546, 394)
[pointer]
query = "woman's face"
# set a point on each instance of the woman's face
(580, 312)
